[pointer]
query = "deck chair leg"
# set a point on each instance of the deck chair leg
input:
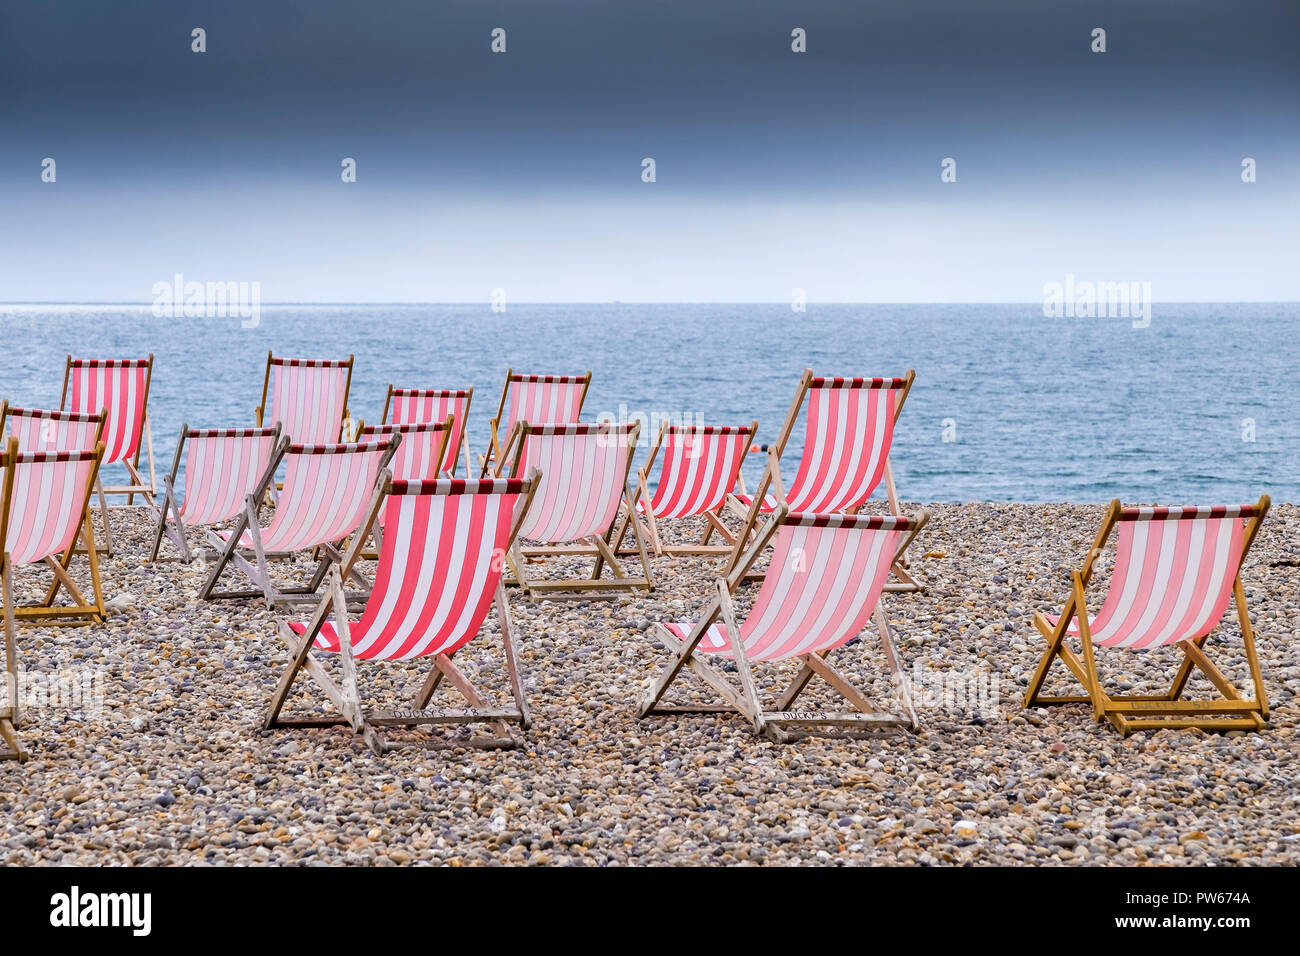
(640, 546)
(92, 556)
(512, 656)
(1089, 660)
(898, 677)
(738, 651)
(1248, 638)
(103, 512)
(682, 651)
(11, 648)
(226, 549)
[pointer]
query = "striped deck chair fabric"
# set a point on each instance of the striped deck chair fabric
(50, 430)
(119, 387)
(850, 429)
(439, 575)
(326, 490)
(222, 468)
(539, 400)
(44, 509)
(824, 582)
(699, 465)
(584, 480)
(309, 398)
(421, 453)
(411, 406)
(1174, 576)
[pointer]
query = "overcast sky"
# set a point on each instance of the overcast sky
(775, 170)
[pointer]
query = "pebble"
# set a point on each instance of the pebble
(174, 768)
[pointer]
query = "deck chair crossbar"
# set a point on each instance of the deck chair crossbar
(585, 467)
(326, 490)
(540, 399)
(308, 398)
(439, 577)
(222, 467)
(44, 508)
(824, 582)
(698, 467)
(848, 436)
(1176, 571)
(408, 406)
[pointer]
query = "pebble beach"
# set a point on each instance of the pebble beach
(171, 766)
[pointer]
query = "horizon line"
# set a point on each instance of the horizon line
(482, 302)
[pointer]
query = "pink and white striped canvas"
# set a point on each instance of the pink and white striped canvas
(699, 466)
(1173, 575)
(121, 388)
(326, 491)
(222, 467)
(47, 503)
(419, 405)
(46, 430)
(418, 455)
(439, 568)
(309, 398)
(584, 474)
(825, 578)
(543, 399)
(850, 427)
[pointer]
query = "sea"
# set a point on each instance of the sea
(1200, 406)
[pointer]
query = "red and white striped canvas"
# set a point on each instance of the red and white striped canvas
(699, 466)
(439, 568)
(222, 467)
(584, 473)
(326, 491)
(1173, 576)
(308, 398)
(417, 456)
(850, 427)
(825, 578)
(47, 430)
(543, 399)
(118, 386)
(47, 502)
(419, 405)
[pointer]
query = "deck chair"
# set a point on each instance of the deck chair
(584, 479)
(847, 438)
(326, 490)
(699, 467)
(406, 406)
(1176, 570)
(222, 467)
(309, 398)
(824, 581)
(120, 389)
(45, 506)
(40, 429)
(540, 399)
(439, 576)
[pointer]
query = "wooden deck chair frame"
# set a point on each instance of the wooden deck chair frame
(1153, 712)
(782, 724)
(463, 439)
(598, 545)
(713, 518)
(132, 465)
(346, 699)
(47, 613)
(771, 481)
(169, 520)
(261, 410)
(258, 569)
(493, 455)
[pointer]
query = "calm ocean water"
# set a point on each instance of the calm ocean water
(1038, 409)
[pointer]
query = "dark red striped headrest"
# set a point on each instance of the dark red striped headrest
(339, 448)
(311, 363)
(230, 432)
(459, 486)
(858, 383)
